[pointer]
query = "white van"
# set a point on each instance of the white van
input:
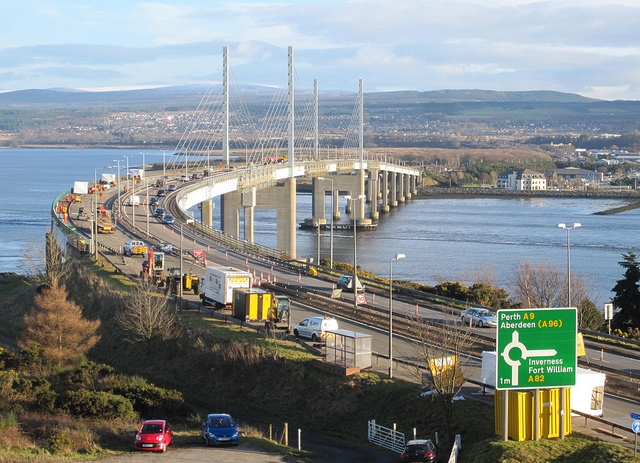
(315, 328)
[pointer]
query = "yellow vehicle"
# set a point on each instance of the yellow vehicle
(259, 305)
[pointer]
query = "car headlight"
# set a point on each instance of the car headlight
(159, 438)
(235, 434)
(138, 437)
(212, 435)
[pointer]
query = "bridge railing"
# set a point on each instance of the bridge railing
(72, 237)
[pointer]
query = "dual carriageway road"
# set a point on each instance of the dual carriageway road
(617, 408)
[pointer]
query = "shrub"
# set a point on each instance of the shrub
(96, 404)
(7, 360)
(89, 374)
(31, 356)
(149, 400)
(59, 443)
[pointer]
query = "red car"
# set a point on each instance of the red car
(153, 435)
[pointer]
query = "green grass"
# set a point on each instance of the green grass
(13, 288)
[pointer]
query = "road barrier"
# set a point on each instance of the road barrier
(385, 437)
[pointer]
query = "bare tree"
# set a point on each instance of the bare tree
(58, 326)
(45, 266)
(542, 285)
(146, 316)
(442, 350)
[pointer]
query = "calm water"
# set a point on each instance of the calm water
(442, 238)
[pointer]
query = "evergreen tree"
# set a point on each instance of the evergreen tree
(627, 295)
(57, 325)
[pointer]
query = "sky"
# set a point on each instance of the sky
(588, 47)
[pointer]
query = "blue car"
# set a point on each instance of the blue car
(220, 429)
(168, 218)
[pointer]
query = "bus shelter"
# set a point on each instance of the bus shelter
(348, 349)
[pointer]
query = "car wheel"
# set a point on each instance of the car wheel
(295, 333)
(480, 324)
(314, 338)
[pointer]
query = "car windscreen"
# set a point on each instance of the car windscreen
(151, 429)
(484, 313)
(417, 449)
(221, 423)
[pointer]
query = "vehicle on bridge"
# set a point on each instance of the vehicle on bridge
(345, 283)
(259, 305)
(134, 248)
(218, 284)
(105, 222)
(168, 219)
(159, 212)
(479, 317)
(315, 328)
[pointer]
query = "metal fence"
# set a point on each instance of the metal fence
(385, 437)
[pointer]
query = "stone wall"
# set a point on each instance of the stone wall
(430, 192)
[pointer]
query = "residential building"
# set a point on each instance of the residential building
(522, 179)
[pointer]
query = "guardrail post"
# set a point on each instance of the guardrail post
(286, 434)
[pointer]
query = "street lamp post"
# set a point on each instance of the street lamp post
(188, 221)
(564, 226)
(331, 233)
(562, 389)
(397, 257)
(355, 248)
(118, 185)
(94, 224)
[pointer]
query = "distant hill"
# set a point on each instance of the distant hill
(190, 95)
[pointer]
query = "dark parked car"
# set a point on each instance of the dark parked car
(220, 429)
(153, 201)
(420, 450)
(159, 212)
(168, 218)
(345, 284)
(161, 192)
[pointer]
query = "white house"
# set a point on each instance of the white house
(522, 179)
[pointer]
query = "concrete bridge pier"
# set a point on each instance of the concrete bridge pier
(385, 191)
(394, 190)
(206, 211)
(248, 204)
(407, 186)
(286, 219)
(400, 183)
(229, 213)
(318, 202)
(374, 186)
(336, 207)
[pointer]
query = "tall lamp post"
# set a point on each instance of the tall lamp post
(94, 225)
(188, 221)
(397, 257)
(355, 248)
(118, 185)
(562, 389)
(331, 233)
(564, 226)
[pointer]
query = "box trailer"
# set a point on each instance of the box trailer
(251, 304)
(218, 284)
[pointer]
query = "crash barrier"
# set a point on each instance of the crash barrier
(70, 236)
(385, 437)
(457, 446)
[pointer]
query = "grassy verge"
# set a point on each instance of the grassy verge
(227, 368)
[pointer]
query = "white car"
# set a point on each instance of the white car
(315, 328)
(479, 317)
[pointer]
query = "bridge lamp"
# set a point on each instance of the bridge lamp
(355, 247)
(94, 225)
(188, 221)
(397, 257)
(565, 227)
(331, 233)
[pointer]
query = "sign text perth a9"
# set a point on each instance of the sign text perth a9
(536, 348)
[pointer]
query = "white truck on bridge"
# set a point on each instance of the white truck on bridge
(218, 285)
(134, 247)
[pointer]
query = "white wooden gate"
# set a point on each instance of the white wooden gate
(385, 437)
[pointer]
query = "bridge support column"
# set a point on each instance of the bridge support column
(229, 214)
(374, 186)
(336, 208)
(248, 204)
(394, 190)
(407, 186)
(318, 202)
(385, 191)
(206, 211)
(400, 182)
(362, 175)
(286, 221)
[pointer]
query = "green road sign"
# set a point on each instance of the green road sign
(536, 348)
